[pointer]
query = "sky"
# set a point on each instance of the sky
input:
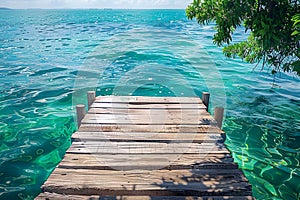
(116, 4)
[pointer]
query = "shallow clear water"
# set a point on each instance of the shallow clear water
(50, 58)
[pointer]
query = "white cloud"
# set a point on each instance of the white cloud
(133, 4)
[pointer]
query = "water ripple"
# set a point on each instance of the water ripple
(48, 57)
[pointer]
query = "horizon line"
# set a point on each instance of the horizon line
(91, 8)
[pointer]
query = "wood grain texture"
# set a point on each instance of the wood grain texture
(146, 182)
(54, 196)
(98, 147)
(145, 99)
(152, 106)
(147, 148)
(149, 128)
(147, 161)
(149, 111)
(148, 137)
(162, 119)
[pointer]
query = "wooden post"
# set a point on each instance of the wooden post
(219, 113)
(91, 95)
(80, 111)
(205, 99)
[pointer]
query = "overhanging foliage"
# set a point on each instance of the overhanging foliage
(274, 25)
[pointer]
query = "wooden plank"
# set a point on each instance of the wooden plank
(147, 119)
(149, 166)
(147, 137)
(151, 106)
(55, 196)
(147, 145)
(170, 158)
(124, 111)
(149, 116)
(149, 128)
(145, 182)
(146, 99)
(99, 147)
(141, 151)
(140, 161)
(142, 121)
(183, 158)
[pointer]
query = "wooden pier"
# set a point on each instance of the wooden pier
(133, 147)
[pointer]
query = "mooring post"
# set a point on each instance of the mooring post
(91, 95)
(205, 99)
(218, 115)
(80, 111)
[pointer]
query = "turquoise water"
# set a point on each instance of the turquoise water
(50, 58)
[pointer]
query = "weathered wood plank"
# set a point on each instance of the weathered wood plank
(147, 119)
(146, 99)
(149, 128)
(140, 151)
(183, 158)
(147, 137)
(151, 106)
(149, 116)
(140, 161)
(54, 196)
(152, 166)
(147, 145)
(145, 182)
(99, 147)
(152, 112)
(144, 122)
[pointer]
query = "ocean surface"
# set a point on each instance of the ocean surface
(50, 58)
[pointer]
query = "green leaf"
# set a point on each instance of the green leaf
(295, 33)
(274, 29)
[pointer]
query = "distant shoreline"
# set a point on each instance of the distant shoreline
(3, 8)
(107, 9)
